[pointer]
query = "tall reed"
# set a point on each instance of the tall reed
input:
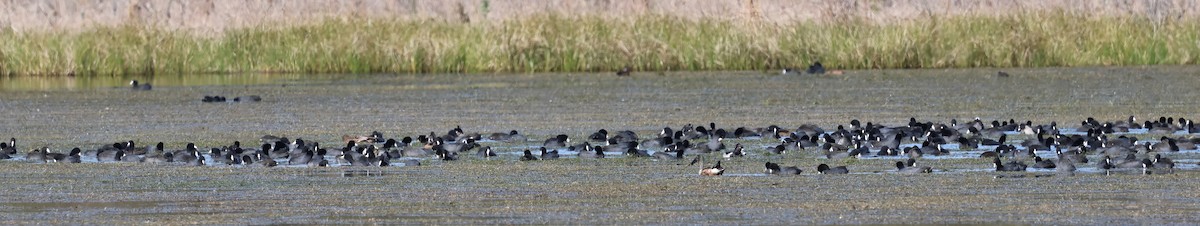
(551, 43)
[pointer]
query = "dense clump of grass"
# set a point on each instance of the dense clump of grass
(568, 44)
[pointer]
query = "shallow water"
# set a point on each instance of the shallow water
(63, 113)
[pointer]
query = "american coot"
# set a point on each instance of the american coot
(902, 167)
(1124, 163)
(485, 152)
(625, 71)
(198, 161)
(595, 152)
(1010, 166)
(511, 136)
(1065, 167)
(599, 136)
(825, 169)
(1039, 163)
(546, 155)
(773, 168)
(634, 152)
(9, 148)
(301, 159)
(557, 141)
(669, 153)
(37, 155)
(528, 156)
(816, 68)
(110, 155)
(1163, 163)
(135, 85)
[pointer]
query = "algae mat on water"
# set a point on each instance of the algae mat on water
(579, 191)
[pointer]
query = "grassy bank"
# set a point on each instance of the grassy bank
(551, 43)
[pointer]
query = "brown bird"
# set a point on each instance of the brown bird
(357, 139)
(716, 170)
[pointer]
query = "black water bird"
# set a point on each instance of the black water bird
(625, 71)
(1010, 166)
(773, 168)
(816, 68)
(139, 86)
(825, 169)
(901, 167)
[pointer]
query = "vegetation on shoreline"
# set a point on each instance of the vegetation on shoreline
(570, 44)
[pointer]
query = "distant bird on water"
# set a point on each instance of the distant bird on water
(625, 71)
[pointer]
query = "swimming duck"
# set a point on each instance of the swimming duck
(250, 98)
(511, 136)
(139, 86)
(1163, 163)
(53, 156)
(716, 170)
(772, 168)
(213, 99)
(1010, 166)
(816, 68)
(37, 155)
(989, 142)
(902, 167)
(188, 155)
(546, 155)
(198, 161)
(161, 157)
(1065, 167)
(669, 153)
(633, 152)
(110, 155)
(557, 141)
(9, 148)
(599, 136)
(1071, 156)
(528, 156)
(318, 163)
(1165, 144)
(303, 158)
(625, 71)
(658, 142)
(73, 156)
(485, 152)
(445, 155)
(263, 162)
(715, 144)
(595, 152)
(457, 146)
(825, 169)
(1039, 163)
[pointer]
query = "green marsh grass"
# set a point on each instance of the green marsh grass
(580, 44)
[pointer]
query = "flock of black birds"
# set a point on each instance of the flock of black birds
(1107, 145)
(142, 86)
(816, 68)
(223, 99)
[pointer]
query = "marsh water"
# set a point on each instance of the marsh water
(90, 112)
